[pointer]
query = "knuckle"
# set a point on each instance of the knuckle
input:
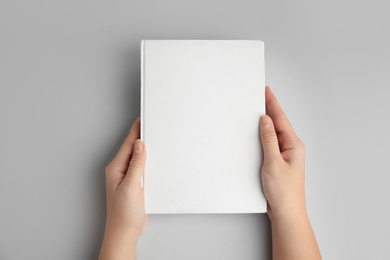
(113, 167)
(281, 116)
(128, 139)
(273, 163)
(136, 162)
(108, 168)
(271, 166)
(269, 138)
(301, 145)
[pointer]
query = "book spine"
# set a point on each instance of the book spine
(142, 101)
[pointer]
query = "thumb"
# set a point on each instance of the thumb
(269, 139)
(136, 165)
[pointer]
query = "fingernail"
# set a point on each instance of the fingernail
(138, 146)
(266, 121)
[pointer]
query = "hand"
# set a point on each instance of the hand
(283, 179)
(283, 171)
(126, 218)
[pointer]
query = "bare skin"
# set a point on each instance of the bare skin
(283, 180)
(126, 218)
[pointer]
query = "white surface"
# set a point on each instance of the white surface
(200, 111)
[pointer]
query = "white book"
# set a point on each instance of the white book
(201, 103)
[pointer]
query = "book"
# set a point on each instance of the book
(201, 103)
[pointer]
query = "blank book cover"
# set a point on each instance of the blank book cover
(201, 102)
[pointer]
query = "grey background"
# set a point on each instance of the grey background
(69, 92)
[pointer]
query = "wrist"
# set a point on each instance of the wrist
(122, 234)
(116, 227)
(118, 244)
(287, 211)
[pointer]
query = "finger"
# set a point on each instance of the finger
(286, 133)
(136, 165)
(269, 139)
(122, 159)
